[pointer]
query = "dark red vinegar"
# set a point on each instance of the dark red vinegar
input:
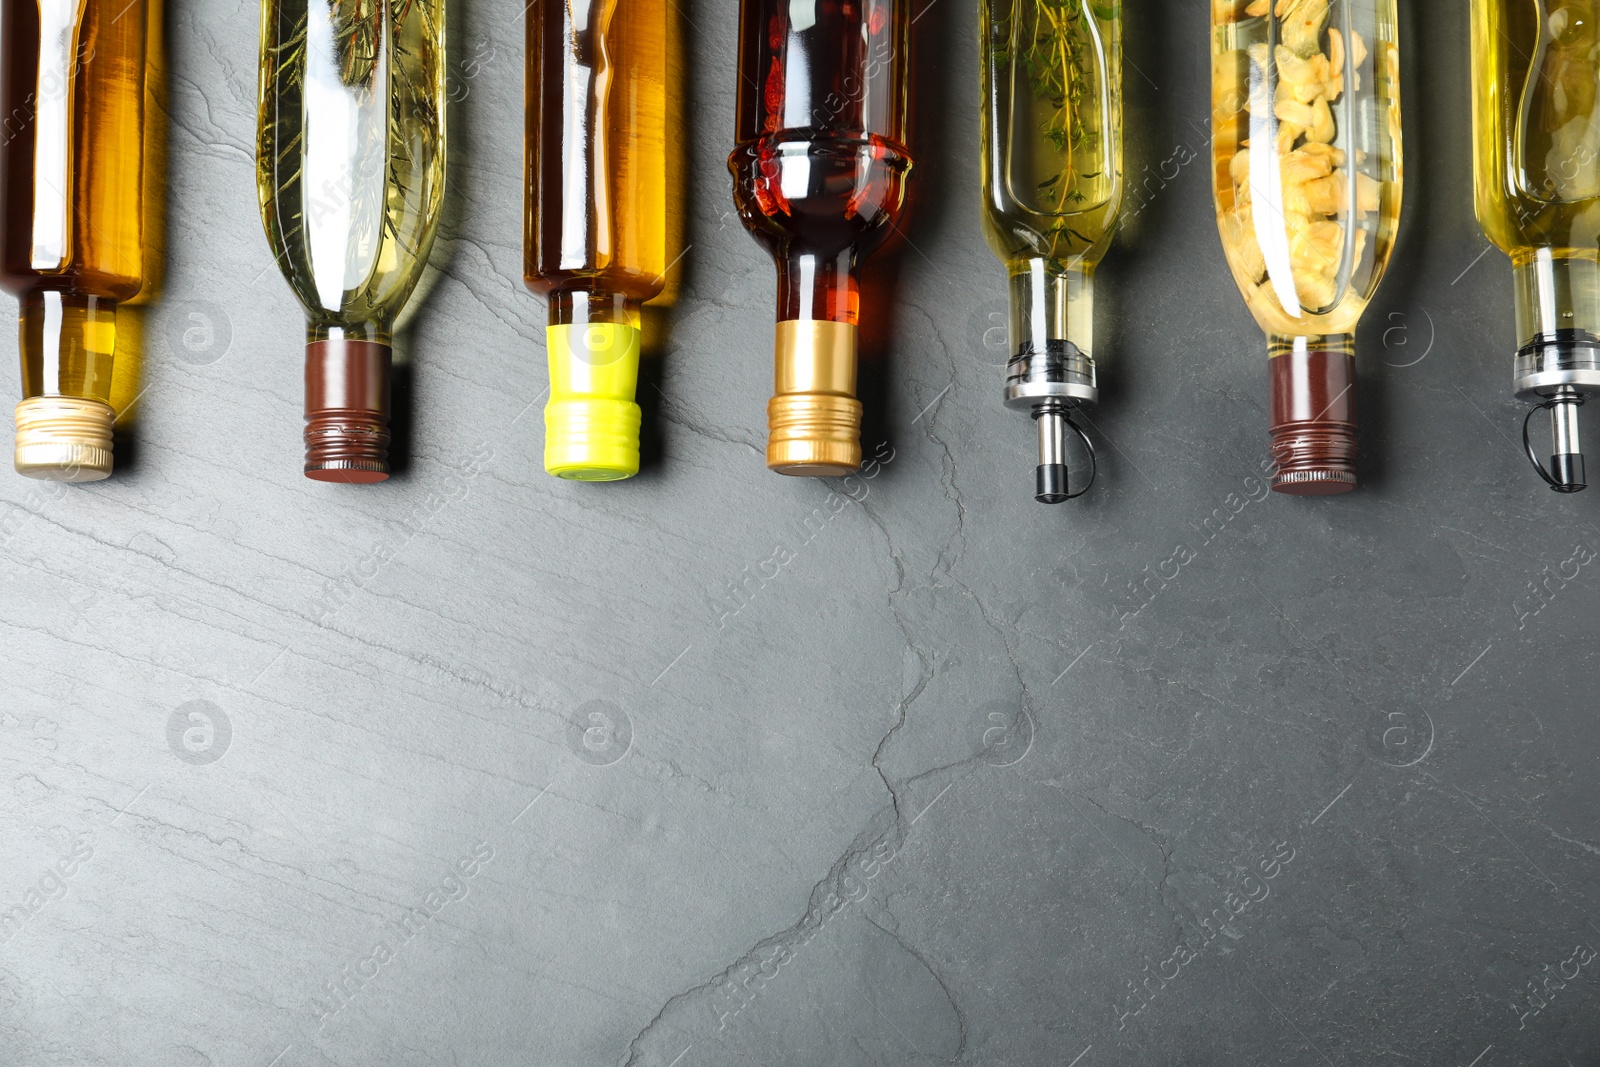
(820, 167)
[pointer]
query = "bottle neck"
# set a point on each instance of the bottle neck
(579, 308)
(1341, 344)
(1558, 351)
(68, 344)
(1052, 303)
(814, 418)
(592, 418)
(1312, 413)
(818, 287)
(1556, 294)
(380, 333)
(1052, 337)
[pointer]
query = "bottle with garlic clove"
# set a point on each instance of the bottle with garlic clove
(1306, 154)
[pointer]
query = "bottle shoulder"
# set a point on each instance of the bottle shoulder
(820, 142)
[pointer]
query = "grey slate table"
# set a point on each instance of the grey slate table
(938, 788)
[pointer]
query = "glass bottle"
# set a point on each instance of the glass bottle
(819, 176)
(1536, 147)
(595, 220)
(1306, 156)
(72, 85)
(1052, 187)
(350, 156)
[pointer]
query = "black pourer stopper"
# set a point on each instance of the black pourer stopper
(1051, 483)
(1566, 473)
(1050, 478)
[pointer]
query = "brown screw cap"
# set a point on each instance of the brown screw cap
(1313, 422)
(347, 411)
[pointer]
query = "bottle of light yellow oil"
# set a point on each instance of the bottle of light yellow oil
(1052, 189)
(1536, 138)
(1307, 169)
(350, 167)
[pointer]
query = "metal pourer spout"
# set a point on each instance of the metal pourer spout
(1049, 380)
(1566, 472)
(1051, 479)
(1566, 460)
(1054, 419)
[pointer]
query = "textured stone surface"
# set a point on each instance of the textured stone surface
(939, 792)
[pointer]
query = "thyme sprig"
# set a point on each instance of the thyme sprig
(1053, 42)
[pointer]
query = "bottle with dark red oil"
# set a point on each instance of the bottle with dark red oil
(819, 178)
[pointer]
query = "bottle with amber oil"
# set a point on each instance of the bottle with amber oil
(1306, 162)
(350, 157)
(72, 88)
(1536, 138)
(595, 235)
(819, 175)
(1052, 187)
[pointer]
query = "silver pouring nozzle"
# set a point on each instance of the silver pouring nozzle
(1556, 372)
(1051, 478)
(1566, 471)
(1050, 382)
(1566, 458)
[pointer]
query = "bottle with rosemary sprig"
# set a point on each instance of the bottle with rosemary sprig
(1052, 187)
(350, 158)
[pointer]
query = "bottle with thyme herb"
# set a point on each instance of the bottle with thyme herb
(819, 179)
(350, 157)
(72, 88)
(1052, 188)
(1307, 173)
(1536, 123)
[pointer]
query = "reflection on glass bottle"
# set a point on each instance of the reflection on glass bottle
(1306, 156)
(350, 157)
(819, 179)
(1052, 187)
(595, 226)
(72, 88)
(1536, 76)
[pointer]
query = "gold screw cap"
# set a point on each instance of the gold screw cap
(814, 434)
(814, 418)
(64, 438)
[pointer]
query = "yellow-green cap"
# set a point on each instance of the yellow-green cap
(64, 438)
(591, 424)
